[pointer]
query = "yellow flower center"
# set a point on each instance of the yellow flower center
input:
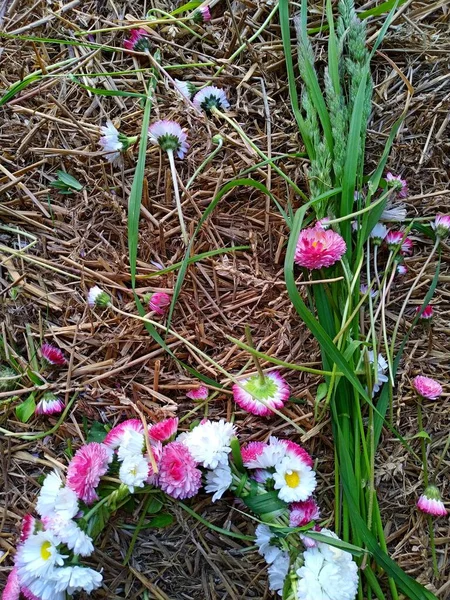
(45, 552)
(314, 244)
(292, 478)
(133, 471)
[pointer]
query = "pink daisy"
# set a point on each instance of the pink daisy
(301, 513)
(210, 97)
(85, 470)
(202, 15)
(169, 136)
(28, 525)
(49, 404)
(427, 312)
(28, 595)
(441, 225)
(178, 474)
(159, 302)
(164, 430)
(116, 436)
(402, 269)
(430, 502)
(12, 588)
(427, 387)
(252, 451)
(317, 248)
(294, 450)
(157, 449)
(138, 41)
(400, 183)
(53, 355)
(258, 397)
(200, 393)
(394, 240)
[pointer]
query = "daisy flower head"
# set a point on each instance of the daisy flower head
(178, 473)
(132, 444)
(364, 289)
(427, 312)
(260, 397)
(211, 97)
(327, 572)
(97, 297)
(86, 468)
(263, 538)
(402, 269)
(251, 452)
(53, 355)
(258, 455)
(43, 588)
(49, 404)
(218, 481)
(382, 367)
(77, 579)
(294, 479)
(163, 430)
(48, 494)
(202, 15)
(199, 393)
(441, 225)
(323, 223)
(111, 143)
(295, 451)
(302, 513)
(118, 434)
(398, 183)
(28, 527)
(37, 556)
(159, 303)
(186, 88)
(396, 240)
(427, 387)
(133, 471)
(378, 233)
(209, 442)
(169, 136)
(138, 41)
(317, 248)
(393, 213)
(277, 573)
(430, 502)
(67, 532)
(12, 588)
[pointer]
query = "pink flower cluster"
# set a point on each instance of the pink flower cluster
(318, 247)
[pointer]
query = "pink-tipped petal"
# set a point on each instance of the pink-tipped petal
(53, 355)
(252, 451)
(441, 225)
(85, 470)
(12, 588)
(28, 526)
(49, 404)
(116, 436)
(293, 449)
(427, 312)
(200, 393)
(159, 303)
(261, 398)
(301, 513)
(163, 430)
(178, 473)
(430, 502)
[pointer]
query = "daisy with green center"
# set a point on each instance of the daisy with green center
(172, 139)
(211, 99)
(260, 394)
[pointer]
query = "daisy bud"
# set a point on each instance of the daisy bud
(302, 513)
(430, 502)
(202, 15)
(441, 225)
(210, 97)
(138, 41)
(378, 233)
(317, 248)
(159, 303)
(259, 397)
(7, 379)
(186, 88)
(217, 139)
(53, 355)
(49, 404)
(396, 240)
(363, 289)
(169, 136)
(427, 387)
(427, 313)
(402, 269)
(200, 393)
(398, 183)
(97, 297)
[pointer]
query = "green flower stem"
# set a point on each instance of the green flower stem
(433, 545)
(411, 290)
(423, 446)
(176, 190)
(207, 160)
(260, 153)
(363, 210)
(205, 357)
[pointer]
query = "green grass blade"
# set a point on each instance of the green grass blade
(103, 92)
(333, 52)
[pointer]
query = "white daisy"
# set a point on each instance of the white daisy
(71, 535)
(210, 97)
(209, 442)
(55, 500)
(77, 579)
(328, 573)
(378, 233)
(270, 456)
(37, 556)
(110, 142)
(169, 136)
(134, 471)
(382, 368)
(44, 588)
(294, 479)
(277, 572)
(132, 444)
(97, 297)
(218, 481)
(393, 213)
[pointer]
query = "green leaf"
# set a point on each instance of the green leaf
(97, 432)
(420, 434)
(320, 537)
(321, 392)
(187, 7)
(265, 504)
(162, 520)
(69, 180)
(239, 536)
(34, 377)
(237, 456)
(154, 505)
(103, 92)
(25, 410)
